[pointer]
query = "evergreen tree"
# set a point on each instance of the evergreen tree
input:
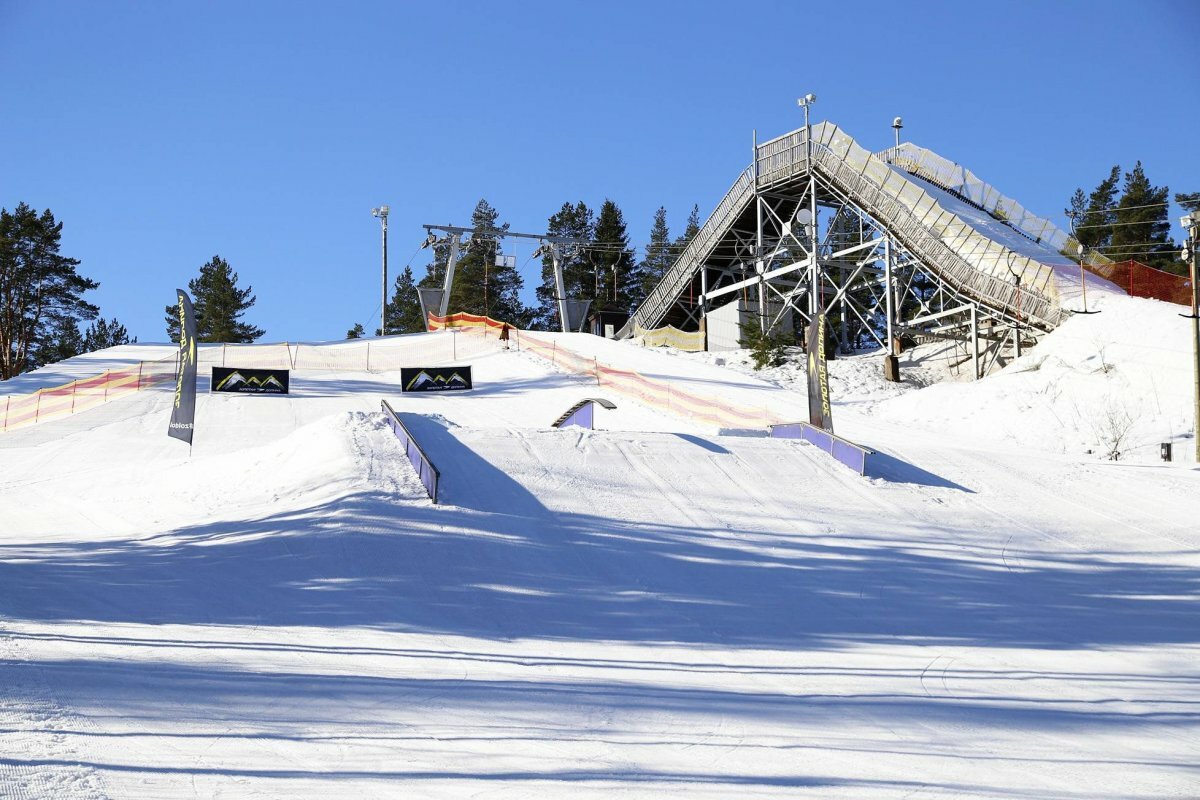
(357, 332)
(480, 286)
(219, 305)
(658, 255)
(41, 293)
(404, 309)
(1096, 213)
(616, 281)
(1143, 231)
(690, 229)
(573, 221)
(101, 334)
(63, 342)
(1189, 201)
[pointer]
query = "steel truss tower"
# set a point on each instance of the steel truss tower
(818, 223)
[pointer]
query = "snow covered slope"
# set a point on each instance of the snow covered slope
(647, 610)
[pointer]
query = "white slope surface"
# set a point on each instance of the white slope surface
(647, 610)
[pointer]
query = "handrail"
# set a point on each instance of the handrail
(426, 471)
(663, 295)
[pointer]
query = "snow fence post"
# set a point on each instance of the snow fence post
(7, 404)
(596, 369)
(368, 356)
(139, 381)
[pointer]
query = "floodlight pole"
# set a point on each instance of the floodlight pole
(814, 306)
(1192, 224)
(382, 214)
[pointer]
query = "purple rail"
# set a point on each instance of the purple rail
(843, 450)
(425, 469)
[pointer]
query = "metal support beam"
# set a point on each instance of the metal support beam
(448, 283)
(560, 291)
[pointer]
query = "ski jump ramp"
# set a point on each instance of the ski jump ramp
(882, 218)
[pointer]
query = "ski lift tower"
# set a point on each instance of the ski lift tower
(571, 312)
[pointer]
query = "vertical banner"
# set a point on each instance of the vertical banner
(820, 414)
(183, 410)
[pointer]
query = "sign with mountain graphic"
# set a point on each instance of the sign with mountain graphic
(435, 379)
(240, 380)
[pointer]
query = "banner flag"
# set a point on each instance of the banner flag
(183, 411)
(820, 414)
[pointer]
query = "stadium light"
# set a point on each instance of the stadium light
(805, 102)
(381, 213)
(897, 124)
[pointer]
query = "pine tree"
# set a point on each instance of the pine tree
(690, 229)
(1096, 213)
(63, 342)
(102, 334)
(480, 287)
(357, 332)
(404, 309)
(1189, 201)
(572, 221)
(1143, 231)
(658, 255)
(40, 290)
(219, 304)
(616, 280)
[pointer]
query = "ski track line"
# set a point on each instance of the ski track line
(30, 708)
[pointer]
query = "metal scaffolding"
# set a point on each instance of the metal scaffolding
(819, 223)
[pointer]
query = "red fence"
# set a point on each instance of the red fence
(1143, 281)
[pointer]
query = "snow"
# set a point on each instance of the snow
(651, 609)
(1066, 274)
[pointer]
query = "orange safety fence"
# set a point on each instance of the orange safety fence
(1143, 281)
(665, 395)
(463, 320)
(79, 395)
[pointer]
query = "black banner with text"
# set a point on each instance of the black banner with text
(435, 379)
(236, 380)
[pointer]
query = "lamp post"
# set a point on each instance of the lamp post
(382, 213)
(805, 102)
(1191, 251)
(897, 124)
(806, 218)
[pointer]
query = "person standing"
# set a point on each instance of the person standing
(504, 335)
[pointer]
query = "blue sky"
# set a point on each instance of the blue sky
(164, 133)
